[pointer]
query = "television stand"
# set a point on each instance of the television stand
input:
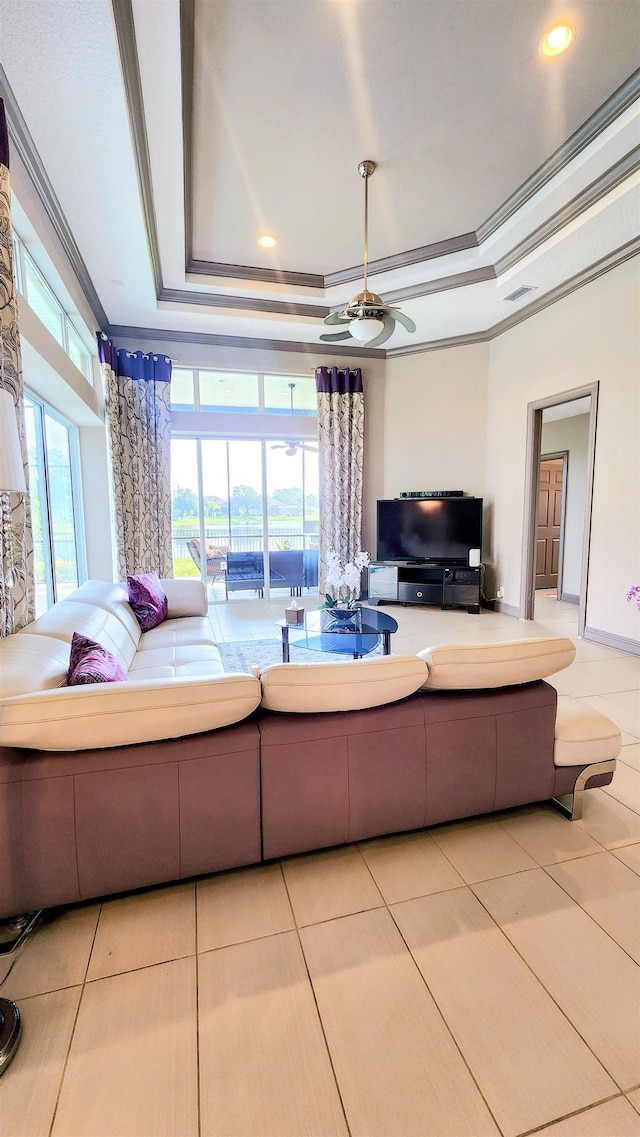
(448, 586)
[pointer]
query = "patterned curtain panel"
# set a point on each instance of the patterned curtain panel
(137, 394)
(17, 587)
(341, 459)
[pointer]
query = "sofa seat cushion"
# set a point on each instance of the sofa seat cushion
(32, 663)
(469, 667)
(583, 735)
(171, 634)
(163, 662)
(343, 686)
(120, 714)
(99, 624)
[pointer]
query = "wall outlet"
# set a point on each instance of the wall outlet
(500, 594)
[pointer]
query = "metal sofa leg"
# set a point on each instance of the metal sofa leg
(13, 935)
(571, 804)
(10, 1030)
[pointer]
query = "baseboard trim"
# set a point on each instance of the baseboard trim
(568, 598)
(620, 643)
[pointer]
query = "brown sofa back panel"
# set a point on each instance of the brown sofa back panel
(127, 828)
(525, 769)
(37, 847)
(18, 764)
(305, 796)
(219, 812)
(441, 705)
(461, 768)
(386, 782)
(276, 727)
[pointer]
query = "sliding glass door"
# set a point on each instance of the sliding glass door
(237, 501)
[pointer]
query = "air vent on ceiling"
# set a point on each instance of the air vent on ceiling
(520, 292)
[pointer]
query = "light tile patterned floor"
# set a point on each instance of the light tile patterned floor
(480, 978)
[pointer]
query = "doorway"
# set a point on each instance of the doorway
(566, 544)
(550, 521)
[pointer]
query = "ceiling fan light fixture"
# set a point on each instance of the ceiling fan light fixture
(365, 328)
(367, 318)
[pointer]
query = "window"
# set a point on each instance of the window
(40, 297)
(54, 492)
(241, 392)
(250, 488)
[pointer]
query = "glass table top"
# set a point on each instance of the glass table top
(346, 639)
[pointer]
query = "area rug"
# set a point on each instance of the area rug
(243, 655)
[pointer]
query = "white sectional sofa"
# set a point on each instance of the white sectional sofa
(183, 769)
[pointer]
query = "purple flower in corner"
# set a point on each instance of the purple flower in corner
(634, 594)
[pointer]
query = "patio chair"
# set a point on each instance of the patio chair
(216, 558)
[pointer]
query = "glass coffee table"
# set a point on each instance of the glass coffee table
(347, 639)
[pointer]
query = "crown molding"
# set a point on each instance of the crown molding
(605, 264)
(401, 260)
(442, 284)
(123, 332)
(614, 106)
(247, 303)
(25, 148)
(581, 202)
(126, 39)
(252, 272)
(187, 48)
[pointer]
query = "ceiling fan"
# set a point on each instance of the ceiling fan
(370, 320)
(291, 447)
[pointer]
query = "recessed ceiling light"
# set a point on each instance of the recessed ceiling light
(266, 241)
(557, 40)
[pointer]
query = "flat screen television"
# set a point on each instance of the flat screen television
(433, 529)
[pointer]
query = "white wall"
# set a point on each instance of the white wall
(591, 336)
(435, 412)
(571, 435)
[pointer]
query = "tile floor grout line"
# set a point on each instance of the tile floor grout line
(539, 980)
(589, 914)
(442, 1016)
(576, 1113)
(197, 967)
(296, 929)
(73, 1028)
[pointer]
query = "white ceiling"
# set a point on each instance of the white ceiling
(449, 97)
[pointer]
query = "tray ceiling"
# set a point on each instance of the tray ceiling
(174, 135)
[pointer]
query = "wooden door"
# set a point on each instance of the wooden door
(549, 521)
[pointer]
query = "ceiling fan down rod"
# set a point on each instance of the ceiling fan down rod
(365, 169)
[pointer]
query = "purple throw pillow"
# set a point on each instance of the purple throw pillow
(90, 662)
(148, 600)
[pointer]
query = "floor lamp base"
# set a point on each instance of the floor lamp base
(10, 1028)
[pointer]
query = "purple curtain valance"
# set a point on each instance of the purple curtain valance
(338, 381)
(4, 137)
(134, 364)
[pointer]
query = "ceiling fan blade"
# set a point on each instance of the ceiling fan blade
(387, 331)
(336, 318)
(336, 336)
(406, 321)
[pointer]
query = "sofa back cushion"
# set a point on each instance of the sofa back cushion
(32, 663)
(469, 667)
(98, 715)
(344, 686)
